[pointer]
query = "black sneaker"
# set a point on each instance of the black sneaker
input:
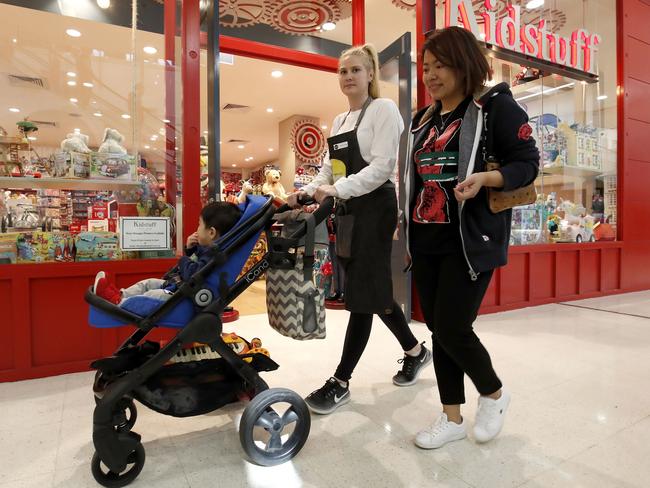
(328, 397)
(411, 367)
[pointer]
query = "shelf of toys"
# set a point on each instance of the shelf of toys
(58, 227)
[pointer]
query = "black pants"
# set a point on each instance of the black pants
(358, 333)
(450, 301)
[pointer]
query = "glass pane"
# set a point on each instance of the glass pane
(386, 21)
(82, 131)
(574, 122)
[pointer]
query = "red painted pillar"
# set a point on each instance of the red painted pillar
(170, 101)
(190, 33)
(358, 22)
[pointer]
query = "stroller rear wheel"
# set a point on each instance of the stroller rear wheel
(110, 479)
(270, 435)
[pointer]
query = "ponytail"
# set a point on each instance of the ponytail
(371, 61)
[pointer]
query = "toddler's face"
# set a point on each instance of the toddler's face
(206, 236)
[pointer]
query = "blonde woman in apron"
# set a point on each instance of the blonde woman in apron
(360, 173)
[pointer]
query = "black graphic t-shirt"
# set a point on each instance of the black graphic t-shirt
(434, 217)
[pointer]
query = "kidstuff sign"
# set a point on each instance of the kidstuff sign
(577, 51)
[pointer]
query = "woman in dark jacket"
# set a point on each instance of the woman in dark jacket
(455, 242)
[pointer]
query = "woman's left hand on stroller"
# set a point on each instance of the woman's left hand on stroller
(324, 191)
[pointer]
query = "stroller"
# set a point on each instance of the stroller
(215, 376)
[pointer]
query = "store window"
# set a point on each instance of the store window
(84, 137)
(574, 117)
(315, 26)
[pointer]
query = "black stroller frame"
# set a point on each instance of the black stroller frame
(117, 447)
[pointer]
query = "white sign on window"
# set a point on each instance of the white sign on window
(145, 233)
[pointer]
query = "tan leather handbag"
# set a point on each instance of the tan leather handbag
(499, 201)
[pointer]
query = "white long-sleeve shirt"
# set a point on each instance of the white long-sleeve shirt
(378, 135)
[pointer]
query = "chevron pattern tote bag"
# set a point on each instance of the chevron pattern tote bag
(295, 305)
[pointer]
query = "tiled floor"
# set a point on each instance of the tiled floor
(580, 415)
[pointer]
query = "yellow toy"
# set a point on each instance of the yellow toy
(272, 186)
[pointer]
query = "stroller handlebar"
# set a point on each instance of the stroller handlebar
(324, 209)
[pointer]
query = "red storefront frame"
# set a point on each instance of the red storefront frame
(44, 329)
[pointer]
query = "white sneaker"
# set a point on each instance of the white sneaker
(490, 416)
(440, 433)
(98, 277)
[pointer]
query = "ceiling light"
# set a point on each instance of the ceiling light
(88, 85)
(234, 165)
(276, 74)
(167, 121)
(241, 146)
(77, 131)
(71, 74)
(270, 149)
(602, 97)
(154, 138)
(126, 116)
(219, 142)
(205, 131)
(146, 147)
(328, 26)
(150, 50)
(73, 33)
(74, 100)
(104, 3)
(72, 83)
(31, 138)
(98, 114)
(14, 110)
(534, 4)
(269, 110)
(98, 53)
(14, 40)
(323, 127)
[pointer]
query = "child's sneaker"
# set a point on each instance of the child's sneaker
(440, 433)
(490, 416)
(328, 397)
(107, 290)
(411, 367)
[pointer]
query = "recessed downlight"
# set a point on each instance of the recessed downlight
(276, 73)
(73, 33)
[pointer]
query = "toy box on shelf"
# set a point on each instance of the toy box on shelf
(109, 166)
(98, 246)
(71, 165)
(8, 249)
(39, 247)
(527, 225)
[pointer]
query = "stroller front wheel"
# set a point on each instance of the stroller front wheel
(110, 479)
(271, 434)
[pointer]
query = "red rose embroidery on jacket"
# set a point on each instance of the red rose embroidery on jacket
(525, 131)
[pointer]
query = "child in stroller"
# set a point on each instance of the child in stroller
(141, 370)
(215, 220)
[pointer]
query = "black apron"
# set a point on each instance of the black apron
(365, 227)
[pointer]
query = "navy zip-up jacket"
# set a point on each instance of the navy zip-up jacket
(484, 235)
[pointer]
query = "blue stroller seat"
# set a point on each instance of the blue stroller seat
(221, 276)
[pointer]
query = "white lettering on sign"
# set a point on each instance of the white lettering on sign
(577, 51)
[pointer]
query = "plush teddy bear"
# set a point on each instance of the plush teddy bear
(112, 142)
(246, 189)
(76, 142)
(272, 186)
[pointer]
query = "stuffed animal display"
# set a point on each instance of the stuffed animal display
(112, 142)
(246, 189)
(76, 142)
(272, 185)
